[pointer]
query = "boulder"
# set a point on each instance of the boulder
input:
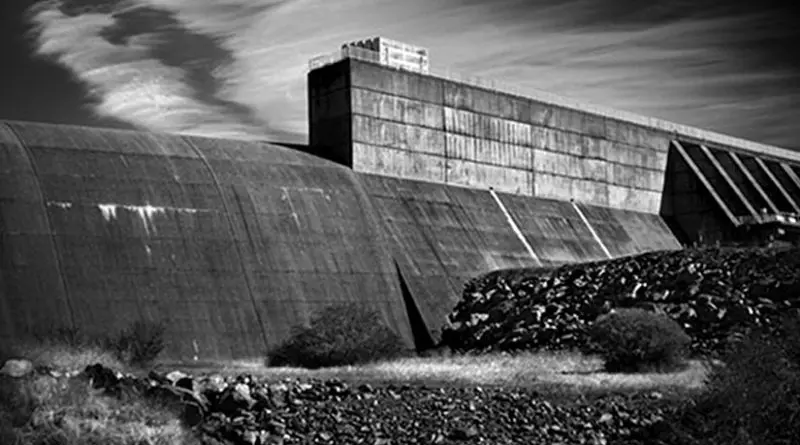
(17, 368)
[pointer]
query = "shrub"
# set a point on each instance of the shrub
(635, 340)
(346, 334)
(139, 344)
(753, 396)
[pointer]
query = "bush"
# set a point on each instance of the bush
(635, 340)
(65, 336)
(346, 334)
(139, 344)
(753, 396)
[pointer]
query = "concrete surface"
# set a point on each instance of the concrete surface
(230, 242)
(580, 152)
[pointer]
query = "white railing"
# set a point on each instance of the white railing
(765, 218)
(705, 136)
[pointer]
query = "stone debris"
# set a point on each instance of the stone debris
(17, 368)
(716, 294)
(244, 410)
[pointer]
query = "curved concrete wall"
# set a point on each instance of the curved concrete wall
(232, 243)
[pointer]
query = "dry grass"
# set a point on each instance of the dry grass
(64, 357)
(44, 409)
(544, 371)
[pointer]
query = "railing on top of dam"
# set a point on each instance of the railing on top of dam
(781, 217)
(352, 52)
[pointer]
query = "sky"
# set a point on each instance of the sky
(236, 68)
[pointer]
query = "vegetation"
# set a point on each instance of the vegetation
(751, 396)
(44, 410)
(140, 344)
(754, 397)
(346, 334)
(636, 340)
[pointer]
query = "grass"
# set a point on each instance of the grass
(48, 410)
(552, 372)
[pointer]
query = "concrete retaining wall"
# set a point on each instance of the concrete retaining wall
(448, 132)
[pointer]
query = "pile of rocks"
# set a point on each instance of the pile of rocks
(713, 293)
(247, 410)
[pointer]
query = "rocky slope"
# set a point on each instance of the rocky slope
(712, 292)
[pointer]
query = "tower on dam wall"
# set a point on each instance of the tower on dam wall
(401, 119)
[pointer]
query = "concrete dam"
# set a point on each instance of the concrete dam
(411, 184)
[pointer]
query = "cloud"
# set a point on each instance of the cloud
(236, 68)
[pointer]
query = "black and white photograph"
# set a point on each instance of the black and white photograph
(378, 222)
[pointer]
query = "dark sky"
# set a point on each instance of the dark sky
(236, 68)
(36, 89)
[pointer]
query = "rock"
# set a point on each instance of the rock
(17, 368)
(235, 398)
(174, 376)
(333, 412)
(707, 291)
(464, 433)
(101, 377)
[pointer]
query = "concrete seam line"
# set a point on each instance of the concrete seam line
(591, 229)
(515, 227)
(57, 254)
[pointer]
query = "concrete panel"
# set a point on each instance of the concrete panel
(594, 169)
(564, 119)
(487, 102)
(441, 237)
(565, 188)
(32, 292)
(591, 192)
(638, 136)
(398, 109)
(554, 162)
(329, 78)
(486, 127)
(568, 165)
(641, 157)
(635, 177)
(326, 106)
(564, 142)
(489, 152)
(575, 121)
(398, 163)
(330, 139)
(554, 230)
(397, 82)
(472, 174)
(597, 148)
(397, 135)
(634, 199)
(546, 185)
(626, 232)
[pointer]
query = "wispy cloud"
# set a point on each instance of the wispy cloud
(236, 68)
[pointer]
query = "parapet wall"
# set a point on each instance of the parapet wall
(407, 124)
(379, 119)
